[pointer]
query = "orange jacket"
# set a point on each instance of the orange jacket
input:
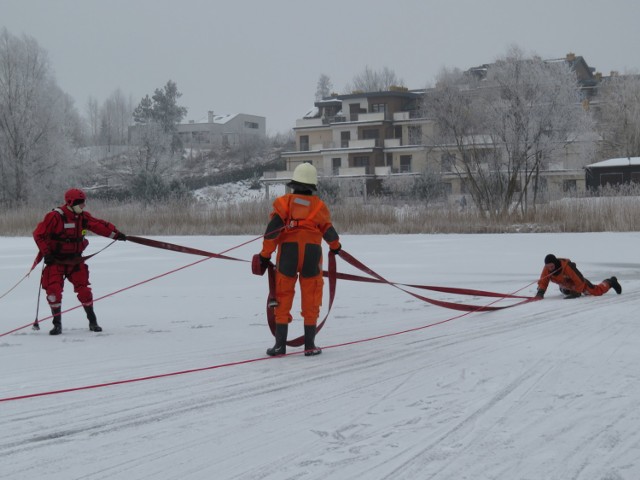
(299, 218)
(567, 276)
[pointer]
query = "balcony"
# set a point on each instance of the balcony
(352, 171)
(368, 143)
(370, 117)
(383, 171)
(309, 122)
(277, 174)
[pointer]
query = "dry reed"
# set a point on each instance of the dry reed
(621, 214)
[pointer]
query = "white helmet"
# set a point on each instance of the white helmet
(306, 174)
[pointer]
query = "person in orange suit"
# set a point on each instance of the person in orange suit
(298, 224)
(60, 238)
(564, 272)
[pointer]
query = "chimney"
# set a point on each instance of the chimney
(571, 57)
(599, 76)
(210, 116)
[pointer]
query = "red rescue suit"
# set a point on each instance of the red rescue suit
(61, 234)
(570, 280)
(299, 223)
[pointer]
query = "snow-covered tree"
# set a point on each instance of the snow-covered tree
(619, 116)
(155, 143)
(370, 80)
(38, 123)
(115, 119)
(324, 87)
(506, 125)
(163, 109)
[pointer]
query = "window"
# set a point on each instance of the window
(569, 186)
(370, 133)
(405, 163)
(304, 143)
(251, 125)
(610, 179)
(447, 160)
(362, 162)
(415, 135)
(389, 159)
(336, 163)
(379, 107)
(201, 137)
(344, 139)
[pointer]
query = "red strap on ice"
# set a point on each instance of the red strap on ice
(178, 248)
(453, 306)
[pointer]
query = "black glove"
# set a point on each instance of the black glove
(336, 251)
(264, 261)
(121, 236)
(49, 259)
(540, 294)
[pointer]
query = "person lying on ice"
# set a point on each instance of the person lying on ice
(299, 222)
(60, 238)
(572, 283)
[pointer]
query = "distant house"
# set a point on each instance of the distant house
(615, 171)
(228, 130)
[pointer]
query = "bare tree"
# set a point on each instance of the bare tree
(374, 81)
(506, 125)
(619, 112)
(324, 87)
(37, 121)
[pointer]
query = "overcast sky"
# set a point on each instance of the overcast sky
(264, 57)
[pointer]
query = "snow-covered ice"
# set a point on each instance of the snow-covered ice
(547, 390)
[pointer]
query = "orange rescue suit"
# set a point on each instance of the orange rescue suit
(570, 279)
(299, 223)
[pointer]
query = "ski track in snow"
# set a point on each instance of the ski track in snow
(549, 390)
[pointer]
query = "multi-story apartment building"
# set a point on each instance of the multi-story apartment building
(378, 135)
(363, 135)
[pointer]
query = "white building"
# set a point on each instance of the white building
(230, 130)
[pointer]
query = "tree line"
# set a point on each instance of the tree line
(530, 108)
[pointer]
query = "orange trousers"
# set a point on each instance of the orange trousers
(597, 290)
(311, 297)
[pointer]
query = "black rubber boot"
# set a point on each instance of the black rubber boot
(93, 321)
(613, 281)
(310, 348)
(280, 348)
(57, 321)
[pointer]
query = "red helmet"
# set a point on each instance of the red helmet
(74, 196)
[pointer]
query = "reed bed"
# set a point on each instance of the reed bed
(181, 217)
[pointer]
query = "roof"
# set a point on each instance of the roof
(616, 162)
(224, 118)
(386, 93)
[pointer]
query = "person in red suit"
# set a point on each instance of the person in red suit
(60, 238)
(300, 221)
